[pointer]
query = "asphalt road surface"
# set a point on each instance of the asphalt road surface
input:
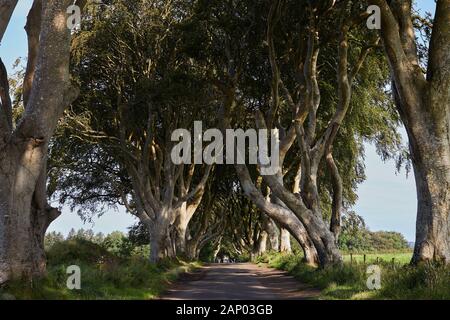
(239, 281)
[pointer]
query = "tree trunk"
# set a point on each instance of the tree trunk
(283, 216)
(261, 244)
(191, 250)
(431, 161)
(316, 229)
(285, 241)
(158, 244)
(336, 209)
(180, 240)
(180, 225)
(424, 106)
(307, 224)
(161, 242)
(271, 229)
(24, 212)
(6, 11)
(217, 250)
(183, 216)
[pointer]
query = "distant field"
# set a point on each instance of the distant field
(403, 258)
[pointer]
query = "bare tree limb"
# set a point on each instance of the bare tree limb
(5, 102)
(51, 88)
(33, 29)
(439, 54)
(6, 10)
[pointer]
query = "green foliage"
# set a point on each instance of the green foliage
(145, 68)
(387, 241)
(52, 238)
(138, 234)
(355, 237)
(207, 253)
(118, 244)
(78, 250)
(136, 83)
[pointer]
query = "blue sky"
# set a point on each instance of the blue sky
(387, 200)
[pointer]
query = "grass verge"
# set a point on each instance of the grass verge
(349, 281)
(103, 275)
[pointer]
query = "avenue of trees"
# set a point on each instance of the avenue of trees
(89, 121)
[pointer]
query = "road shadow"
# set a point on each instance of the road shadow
(238, 281)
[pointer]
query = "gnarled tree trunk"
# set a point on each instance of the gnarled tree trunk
(271, 228)
(430, 151)
(285, 241)
(24, 211)
(158, 244)
(261, 244)
(184, 215)
(424, 105)
(25, 215)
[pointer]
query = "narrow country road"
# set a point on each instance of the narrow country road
(239, 281)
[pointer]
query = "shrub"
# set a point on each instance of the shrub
(78, 250)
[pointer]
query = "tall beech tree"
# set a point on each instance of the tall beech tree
(313, 147)
(423, 101)
(24, 211)
(137, 88)
(241, 64)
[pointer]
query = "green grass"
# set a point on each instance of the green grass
(399, 280)
(401, 257)
(103, 275)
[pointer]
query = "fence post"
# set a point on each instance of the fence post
(351, 258)
(364, 258)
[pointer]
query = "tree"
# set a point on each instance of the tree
(422, 98)
(314, 147)
(354, 235)
(53, 238)
(24, 211)
(118, 243)
(265, 61)
(387, 241)
(72, 234)
(137, 88)
(207, 226)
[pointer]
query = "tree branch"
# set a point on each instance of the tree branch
(33, 29)
(6, 10)
(439, 54)
(408, 75)
(51, 83)
(5, 103)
